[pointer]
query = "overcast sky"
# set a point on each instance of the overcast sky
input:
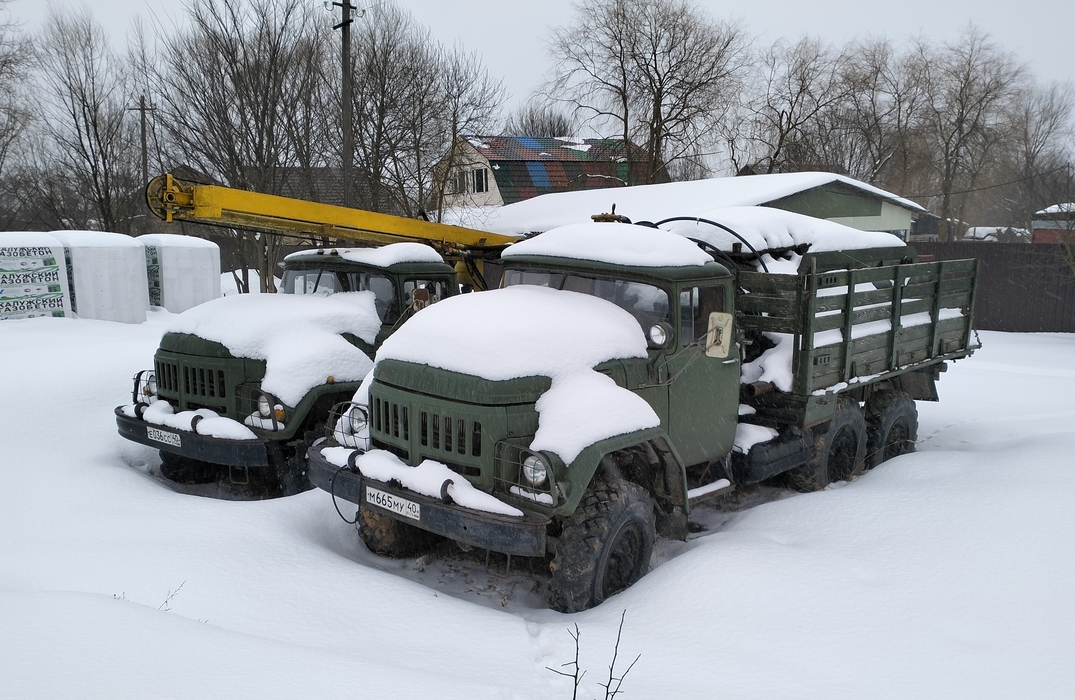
(512, 35)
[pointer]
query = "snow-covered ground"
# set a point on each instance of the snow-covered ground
(942, 574)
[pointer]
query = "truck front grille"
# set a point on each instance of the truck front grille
(438, 434)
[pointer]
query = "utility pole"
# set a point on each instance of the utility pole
(347, 11)
(145, 150)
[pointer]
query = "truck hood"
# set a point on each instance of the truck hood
(505, 339)
(300, 338)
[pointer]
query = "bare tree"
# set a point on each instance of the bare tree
(83, 107)
(15, 56)
(470, 104)
(238, 98)
(540, 119)
(659, 72)
(801, 85)
(967, 88)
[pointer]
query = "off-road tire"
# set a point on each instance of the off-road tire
(187, 471)
(838, 453)
(387, 537)
(605, 546)
(891, 426)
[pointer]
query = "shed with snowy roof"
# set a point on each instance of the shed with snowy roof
(1055, 224)
(821, 195)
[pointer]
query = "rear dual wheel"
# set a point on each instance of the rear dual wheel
(891, 426)
(838, 453)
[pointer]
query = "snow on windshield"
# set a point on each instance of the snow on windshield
(534, 331)
(379, 257)
(619, 244)
(297, 336)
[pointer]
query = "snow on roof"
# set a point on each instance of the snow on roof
(298, 336)
(95, 239)
(1066, 208)
(28, 239)
(174, 240)
(538, 332)
(384, 256)
(621, 244)
(656, 202)
(766, 228)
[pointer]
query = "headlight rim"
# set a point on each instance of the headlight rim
(528, 464)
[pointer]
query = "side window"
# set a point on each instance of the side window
(695, 305)
(437, 289)
(384, 292)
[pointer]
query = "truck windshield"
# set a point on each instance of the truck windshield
(325, 282)
(647, 303)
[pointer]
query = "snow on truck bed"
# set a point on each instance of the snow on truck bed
(762, 227)
(298, 336)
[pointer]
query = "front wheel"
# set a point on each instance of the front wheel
(605, 546)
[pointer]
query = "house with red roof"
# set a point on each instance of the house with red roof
(490, 171)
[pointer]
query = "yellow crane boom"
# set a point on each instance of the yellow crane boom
(170, 198)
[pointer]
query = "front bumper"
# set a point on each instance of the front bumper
(515, 535)
(205, 448)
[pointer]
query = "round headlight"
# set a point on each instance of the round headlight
(151, 385)
(264, 406)
(358, 418)
(535, 470)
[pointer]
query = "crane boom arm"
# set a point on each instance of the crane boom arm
(172, 199)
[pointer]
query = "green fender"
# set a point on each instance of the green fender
(573, 479)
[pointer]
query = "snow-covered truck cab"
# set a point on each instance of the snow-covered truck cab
(241, 383)
(597, 395)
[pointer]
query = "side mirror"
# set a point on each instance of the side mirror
(718, 339)
(661, 336)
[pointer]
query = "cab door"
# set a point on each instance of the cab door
(703, 375)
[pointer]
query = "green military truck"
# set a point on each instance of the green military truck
(207, 404)
(624, 374)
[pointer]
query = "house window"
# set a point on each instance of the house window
(459, 182)
(481, 180)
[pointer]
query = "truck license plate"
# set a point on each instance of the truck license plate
(163, 436)
(400, 506)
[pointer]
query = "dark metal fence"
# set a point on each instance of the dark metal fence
(1021, 288)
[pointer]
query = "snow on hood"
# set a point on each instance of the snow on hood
(768, 228)
(298, 336)
(525, 331)
(384, 256)
(620, 244)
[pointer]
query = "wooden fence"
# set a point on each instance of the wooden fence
(1021, 288)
